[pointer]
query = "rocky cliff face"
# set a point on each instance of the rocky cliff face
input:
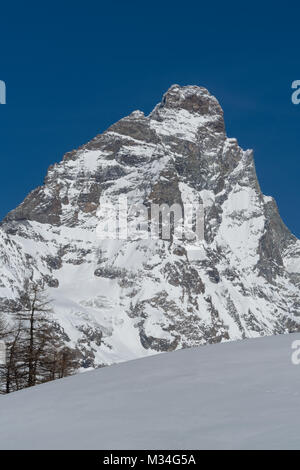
(120, 299)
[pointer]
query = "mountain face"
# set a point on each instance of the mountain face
(116, 300)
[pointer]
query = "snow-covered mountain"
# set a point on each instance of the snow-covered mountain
(239, 395)
(117, 300)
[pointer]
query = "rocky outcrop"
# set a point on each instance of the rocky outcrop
(119, 299)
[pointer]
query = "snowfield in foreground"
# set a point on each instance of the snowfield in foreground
(234, 395)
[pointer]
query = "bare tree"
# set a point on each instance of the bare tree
(36, 352)
(12, 372)
(35, 324)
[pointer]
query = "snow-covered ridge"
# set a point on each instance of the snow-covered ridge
(240, 395)
(121, 299)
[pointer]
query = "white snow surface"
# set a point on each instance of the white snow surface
(238, 395)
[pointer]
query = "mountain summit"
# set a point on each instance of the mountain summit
(116, 300)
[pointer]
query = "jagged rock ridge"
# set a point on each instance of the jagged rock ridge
(120, 299)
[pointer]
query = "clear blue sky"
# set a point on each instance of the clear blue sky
(74, 68)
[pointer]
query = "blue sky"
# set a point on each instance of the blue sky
(74, 68)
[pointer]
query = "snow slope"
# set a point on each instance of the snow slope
(234, 395)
